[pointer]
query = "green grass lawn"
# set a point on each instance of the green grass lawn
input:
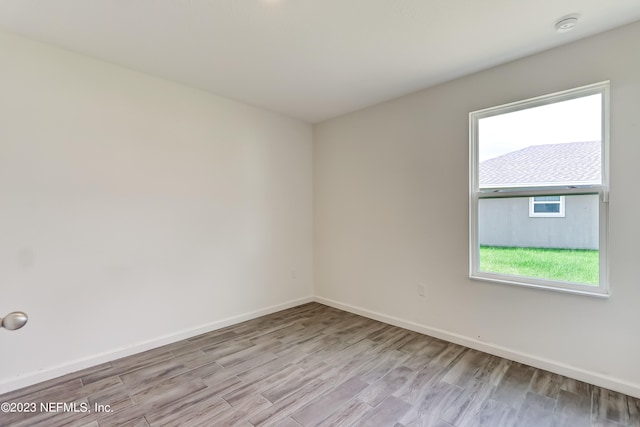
(571, 265)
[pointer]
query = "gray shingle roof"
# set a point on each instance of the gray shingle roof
(572, 162)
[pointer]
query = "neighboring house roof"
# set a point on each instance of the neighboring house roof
(558, 163)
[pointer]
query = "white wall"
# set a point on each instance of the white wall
(135, 211)
(391, 197)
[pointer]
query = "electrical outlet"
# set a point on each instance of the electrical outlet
(421, 289)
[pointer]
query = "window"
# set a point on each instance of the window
(546, 206)
(539, 191)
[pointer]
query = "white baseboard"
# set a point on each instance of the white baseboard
(594, 378)
(79, 364)
(600, 380)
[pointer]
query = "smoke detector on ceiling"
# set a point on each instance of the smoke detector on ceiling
(564, 25)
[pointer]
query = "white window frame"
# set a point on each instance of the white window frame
(533, 214)
(602, 189)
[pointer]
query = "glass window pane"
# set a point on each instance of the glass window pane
(561, 249)
(546, 208)
(554, 144)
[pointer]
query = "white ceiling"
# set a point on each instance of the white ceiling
(310, 59)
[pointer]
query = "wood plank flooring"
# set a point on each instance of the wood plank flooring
(313, 365)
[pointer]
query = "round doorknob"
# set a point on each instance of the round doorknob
(13, 321)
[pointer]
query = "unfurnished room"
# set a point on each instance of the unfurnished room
(319, 213)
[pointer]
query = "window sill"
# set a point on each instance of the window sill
(584, 290)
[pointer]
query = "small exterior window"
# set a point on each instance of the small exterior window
(546, 206)
(538, 199)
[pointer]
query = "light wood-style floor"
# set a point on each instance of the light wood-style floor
(313, 365)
